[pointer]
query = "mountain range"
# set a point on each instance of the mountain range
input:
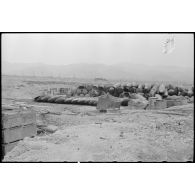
(126, 71)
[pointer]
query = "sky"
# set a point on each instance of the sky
(64, 49)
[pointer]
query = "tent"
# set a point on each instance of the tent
(108, 101)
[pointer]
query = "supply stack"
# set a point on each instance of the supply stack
(16, 125)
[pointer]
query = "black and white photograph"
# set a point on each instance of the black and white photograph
(97, 97)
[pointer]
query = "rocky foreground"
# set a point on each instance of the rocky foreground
(83, 134)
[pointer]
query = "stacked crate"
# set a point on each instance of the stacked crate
(156, 104)
(16, 125)
(63, 91)
(152, 101)
(53, 91)
(160, 104)
(176, 102)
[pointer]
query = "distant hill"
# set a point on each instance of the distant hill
(100, 79)
(125, 71)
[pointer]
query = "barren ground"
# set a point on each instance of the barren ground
(84, 134)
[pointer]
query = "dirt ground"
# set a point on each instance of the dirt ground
(84, 134)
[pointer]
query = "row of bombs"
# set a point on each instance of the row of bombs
(122, 91)
(92, 101)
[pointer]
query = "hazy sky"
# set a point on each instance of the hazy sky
(62, 49)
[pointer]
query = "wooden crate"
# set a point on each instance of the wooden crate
(152, 101)
(8, 147)
(160, 104)
(155, 104)
(171, 103)
(13, 119)
(18, 133)
(16, 125)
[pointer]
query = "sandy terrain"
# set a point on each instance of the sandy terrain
(84, 134)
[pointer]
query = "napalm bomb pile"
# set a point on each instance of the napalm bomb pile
(88, 94)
